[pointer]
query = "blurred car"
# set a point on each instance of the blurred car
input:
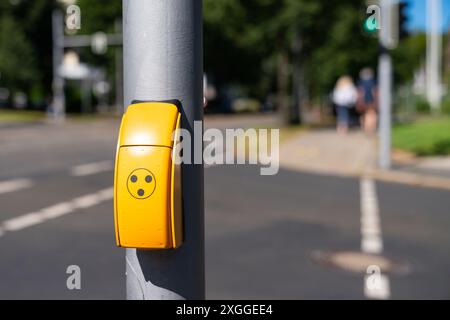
(245, 105)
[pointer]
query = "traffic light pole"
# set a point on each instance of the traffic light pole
(434, 54)
(385, 102)
(58, 104)
(385, 86)
(61, 42)
(163, 61)
(295, 115)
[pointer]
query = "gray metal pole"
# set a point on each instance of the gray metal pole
(163, 60)
(119, 72)
(295, 116)
(385, 86)
(434, 54)
(58, 104)
(86, 85)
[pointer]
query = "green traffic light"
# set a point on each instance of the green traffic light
(371, 24)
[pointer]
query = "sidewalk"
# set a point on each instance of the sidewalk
(355, 154)
(324, 151)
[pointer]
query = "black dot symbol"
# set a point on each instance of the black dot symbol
(148, 179)
(133, 178)
(140, 192)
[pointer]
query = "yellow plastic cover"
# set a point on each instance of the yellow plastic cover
(147, 183)
(148, 124)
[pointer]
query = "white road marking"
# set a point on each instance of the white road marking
(22, 222)
(91, 168)
(86, 201)
(370, 219)
(55, 211)
(14, 185)
(376, 286)
(106, 194)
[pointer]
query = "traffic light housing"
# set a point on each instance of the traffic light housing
(402, 20)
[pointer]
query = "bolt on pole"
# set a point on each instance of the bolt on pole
(163, 60)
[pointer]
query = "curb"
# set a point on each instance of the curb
(406, 178)
(413, 179)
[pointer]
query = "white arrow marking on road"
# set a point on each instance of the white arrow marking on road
(14, 185)
(92, 168)
(55, 211)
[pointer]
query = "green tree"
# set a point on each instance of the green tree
(408, 57)
(345, 49)
(18, 63)
(100, 15)
(27, 26)
(250, 42)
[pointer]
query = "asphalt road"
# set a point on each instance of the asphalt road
(262, 232)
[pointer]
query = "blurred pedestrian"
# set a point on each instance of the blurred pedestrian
(345, 95)
(367, 100)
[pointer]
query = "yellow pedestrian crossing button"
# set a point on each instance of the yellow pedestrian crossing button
(147, 183)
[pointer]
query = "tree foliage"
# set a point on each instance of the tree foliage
(99, 15)
(408, 57)
(18, 67)
(242, 39)
(26, 45)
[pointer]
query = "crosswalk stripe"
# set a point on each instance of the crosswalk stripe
(91, 168)
(15, 185)
(55, 211)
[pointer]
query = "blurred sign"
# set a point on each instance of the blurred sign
(99, 42)
(72, 68)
